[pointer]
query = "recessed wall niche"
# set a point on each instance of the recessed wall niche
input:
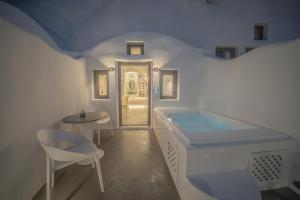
(135, 48)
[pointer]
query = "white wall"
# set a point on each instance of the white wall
(164, 51)
(262, 87)
(38, 87)
(259, 87)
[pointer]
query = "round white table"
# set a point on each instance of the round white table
(89, 117)
(87, 123)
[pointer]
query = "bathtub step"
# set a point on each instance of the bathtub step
(229, 185)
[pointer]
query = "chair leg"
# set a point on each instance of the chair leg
(97, 160)
(111, 129)
(49, 178)
(98, 132)
(52, 174)
(93, 163)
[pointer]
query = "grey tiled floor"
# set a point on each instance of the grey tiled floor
(133, 168)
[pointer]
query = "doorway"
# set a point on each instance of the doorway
(134, 93)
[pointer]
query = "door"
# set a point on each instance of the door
(134, 93)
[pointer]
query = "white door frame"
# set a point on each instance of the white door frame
(118, 90)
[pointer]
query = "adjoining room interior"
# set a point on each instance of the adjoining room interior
(143, 100)
(134, 84)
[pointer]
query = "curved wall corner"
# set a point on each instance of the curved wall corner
(39, 86)
(261, 87)
(23, 21)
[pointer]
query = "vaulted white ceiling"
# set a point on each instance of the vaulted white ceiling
(78, 25)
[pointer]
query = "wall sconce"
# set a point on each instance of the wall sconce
(155, 69)
(111, 68)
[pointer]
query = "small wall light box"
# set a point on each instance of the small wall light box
(135, 48)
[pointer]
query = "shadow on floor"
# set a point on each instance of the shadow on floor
(280, 194)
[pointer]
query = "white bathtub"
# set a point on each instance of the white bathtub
(221, 147)
(203, 127)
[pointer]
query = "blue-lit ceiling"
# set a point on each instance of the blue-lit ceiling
(79, 25)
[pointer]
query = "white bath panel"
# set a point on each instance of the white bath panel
(172, 160)
(268, 168)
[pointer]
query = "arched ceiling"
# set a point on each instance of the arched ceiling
(79, 25)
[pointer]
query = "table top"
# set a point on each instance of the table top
(89, 117)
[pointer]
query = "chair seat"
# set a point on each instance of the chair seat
(102, 121)
(84, 147)
(61, 164)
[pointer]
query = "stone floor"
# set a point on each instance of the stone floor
(135, 116)
(133, 169)
(280, 194)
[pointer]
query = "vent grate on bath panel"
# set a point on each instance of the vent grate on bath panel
(267, 167)
(172, 160)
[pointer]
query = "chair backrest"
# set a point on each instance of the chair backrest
(56, 144)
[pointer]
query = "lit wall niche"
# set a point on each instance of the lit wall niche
(168, 84)
(101, 84)
(135, 48)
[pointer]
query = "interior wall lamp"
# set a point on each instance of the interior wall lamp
(111, 68)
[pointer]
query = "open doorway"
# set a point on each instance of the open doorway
(134, 93)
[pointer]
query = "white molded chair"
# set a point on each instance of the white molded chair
(65, 148)
(103, 121)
